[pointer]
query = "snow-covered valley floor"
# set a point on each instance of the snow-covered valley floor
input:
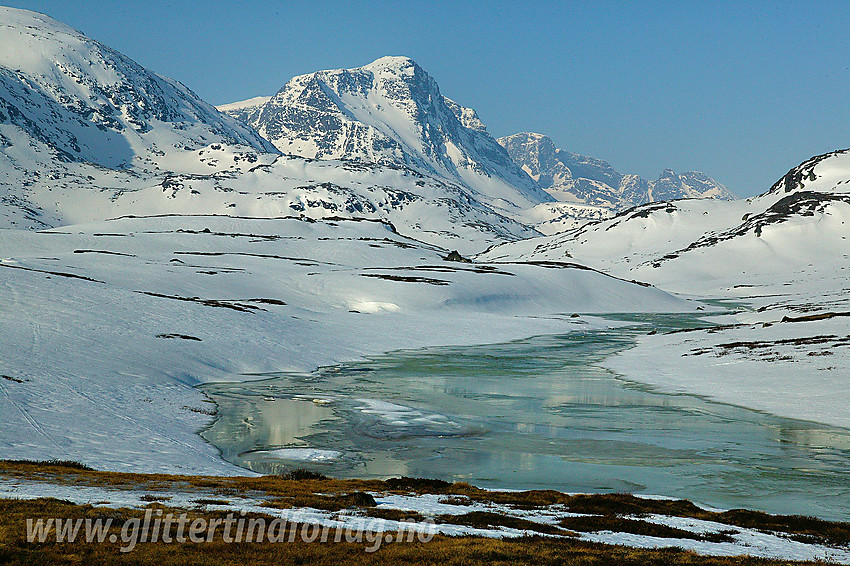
(108, 327)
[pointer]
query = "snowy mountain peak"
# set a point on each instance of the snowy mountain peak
(394, 63)
(397, 69)
(574, 178)
(390, 111)
(87, 134)
(822, 173)
(87, 102)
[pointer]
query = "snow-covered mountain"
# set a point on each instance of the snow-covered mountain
(88, 102)
(573, 178)
(390, 112)
(799, 221)
(189, 249)
(88, 134)
(81, 125)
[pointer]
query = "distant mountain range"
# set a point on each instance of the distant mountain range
(570, 177)
(87, 133)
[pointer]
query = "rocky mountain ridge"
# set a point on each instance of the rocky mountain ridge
(574, 178)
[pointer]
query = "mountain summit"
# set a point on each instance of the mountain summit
(574, 178)
(389, 111)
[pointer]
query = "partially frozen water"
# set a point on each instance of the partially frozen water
(533, 414)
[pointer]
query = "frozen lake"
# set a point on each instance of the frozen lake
(533, 414)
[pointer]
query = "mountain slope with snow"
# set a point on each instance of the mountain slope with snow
(802, 214)
(781, 258)
(81, 124)
(90, 103)
(390, 111)
(573, 178)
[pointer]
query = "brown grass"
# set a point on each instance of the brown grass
(443, 551)
(302, 490)
(595, 523)
(489, 520)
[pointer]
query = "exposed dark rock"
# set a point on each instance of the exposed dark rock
(180, 336)
(362, 499)
(454, 255)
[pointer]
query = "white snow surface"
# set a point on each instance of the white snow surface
(555, 217)
(108, 326)
(250, 103)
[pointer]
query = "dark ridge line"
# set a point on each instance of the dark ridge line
(107, 252)
(711, 329)
(207, 231)
(805, 341)
(13, 379)
(220, 303)
(307, 219)
(476, 268)
(265, 301)
(386, 223)
(405, 279)
(549, 264)
(57, 273)
(180, 336)
(813, 317)
(248, 254)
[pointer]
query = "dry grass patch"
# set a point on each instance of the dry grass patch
(443, 551)
(489, 520)
(596, 523)
(307, 489)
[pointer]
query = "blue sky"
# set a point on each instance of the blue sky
(741, 90)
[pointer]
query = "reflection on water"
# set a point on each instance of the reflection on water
(532, 414)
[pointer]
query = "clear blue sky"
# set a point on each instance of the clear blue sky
(740, 90)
